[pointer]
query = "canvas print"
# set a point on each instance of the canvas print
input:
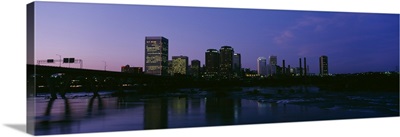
(113, 67)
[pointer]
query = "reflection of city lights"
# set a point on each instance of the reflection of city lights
(236, 113)
(57, 75)
(179, 105)
(126, 85)
(261, 105)
(75, 86)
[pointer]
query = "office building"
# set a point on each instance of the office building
(237, 65)
(272, 66)
(226, 61)
(195, 68)
(212, 63)
(156, 55)
(251, 73)
(271, 70)
(134, 70)
(323, 66)
(305, 67)
(273, 60)
(300, 70)
(262, 66)
(180, 65)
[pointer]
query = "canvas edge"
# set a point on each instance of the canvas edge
(31, 81)
(31, 54)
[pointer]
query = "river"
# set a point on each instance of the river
(81, 113)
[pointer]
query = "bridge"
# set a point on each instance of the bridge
(60, 80)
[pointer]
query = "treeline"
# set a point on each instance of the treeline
(343, 82)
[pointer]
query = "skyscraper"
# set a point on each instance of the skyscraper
(271, 67)
(195, 68)
(156, 55)
(283, 67)
(273, 60)
(262, 66)
(323, 65)
(300, 70)
(212, 63)
(305, 67)
(226, 61)
(180, 65)
(237, 65)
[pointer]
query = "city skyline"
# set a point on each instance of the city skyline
(103, 32)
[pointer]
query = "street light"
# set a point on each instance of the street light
(60, 59)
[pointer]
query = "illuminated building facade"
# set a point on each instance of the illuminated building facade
(226, 61)
(262, 66)
(273, 60)
(251, 73)
(272, 66)
(195, 68)
(156, 55)
(135, 70)
(170, 70)
(237, 65)
(323, 66)
(180, 65)
(212, 63)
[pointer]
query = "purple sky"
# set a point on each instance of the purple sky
(353, 42)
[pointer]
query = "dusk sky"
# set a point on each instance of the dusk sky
(353, 42)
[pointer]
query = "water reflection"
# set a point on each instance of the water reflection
(94, 114)
(65, 118)
(179, 105)
(222, 111)
(67, 111)
(90, 110)
(156, 113)
(195, 104)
